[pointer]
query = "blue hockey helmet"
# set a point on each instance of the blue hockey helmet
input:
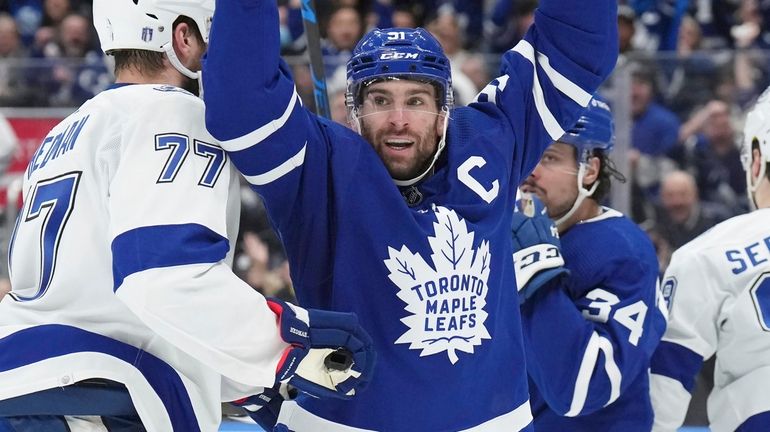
(399, 53)
(594, 130)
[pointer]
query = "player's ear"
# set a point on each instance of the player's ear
(440, 124)
(183, 38)
(756, 162)
(593, 167)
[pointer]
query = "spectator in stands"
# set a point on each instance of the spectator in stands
(446, 28)
(626, 28)
(10, 42)
(476, 69)
(54, 12)
(661, 20)
(28, 15)
(653, 134)
(715, 19)
(663, 249)
(507, 23)
(656, 128)
(292, 28)
(77, 71)
(692, 74)
(405, 15)
(681, 217)
(14, 90)
(751, 68)
(708, 150)
(339, 111)
(268, 281)
(748, 30)
(343, 29)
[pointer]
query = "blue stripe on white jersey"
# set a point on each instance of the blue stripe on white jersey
(25, 348)
(676, 362)
(164, 246)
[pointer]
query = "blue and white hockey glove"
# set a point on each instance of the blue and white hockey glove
(331, 355)
(264, 407)
(537, 250)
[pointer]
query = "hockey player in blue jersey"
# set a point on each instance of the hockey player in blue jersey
(590, 314)
(407, 222)
(123, 301)
(718, 292)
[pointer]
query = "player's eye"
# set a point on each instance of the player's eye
(415, 101)
(380, 100)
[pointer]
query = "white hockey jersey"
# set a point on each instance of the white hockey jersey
(130, 211)
(718, 292)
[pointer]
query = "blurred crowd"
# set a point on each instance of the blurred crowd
(694, 67)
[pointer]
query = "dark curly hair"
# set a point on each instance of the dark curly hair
(607, 172)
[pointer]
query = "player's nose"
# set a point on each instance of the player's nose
(398, 118)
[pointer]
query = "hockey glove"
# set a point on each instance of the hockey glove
(537, 250)
(330, 355)
(264, 407)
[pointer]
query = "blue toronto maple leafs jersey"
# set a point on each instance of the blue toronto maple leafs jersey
(432, 283)
(589, 340)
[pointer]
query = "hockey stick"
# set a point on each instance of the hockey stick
(310, 21)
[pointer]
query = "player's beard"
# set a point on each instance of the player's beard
(418, 163)
(556, 209)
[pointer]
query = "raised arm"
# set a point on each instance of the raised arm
(548, 77)
(253, 108)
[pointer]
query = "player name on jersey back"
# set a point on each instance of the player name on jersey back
(57, 144)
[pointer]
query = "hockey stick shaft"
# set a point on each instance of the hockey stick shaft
(310, 21)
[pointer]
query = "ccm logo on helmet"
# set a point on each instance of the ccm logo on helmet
(398, 55)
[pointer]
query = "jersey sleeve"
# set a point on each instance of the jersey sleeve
(169, 201)
(549, 76)
(691, 337)
(283, 150)
(610, 334)
(258, 116)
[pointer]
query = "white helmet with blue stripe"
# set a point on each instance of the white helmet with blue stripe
(148, 24)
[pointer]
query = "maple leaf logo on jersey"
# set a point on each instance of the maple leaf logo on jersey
(447, 300)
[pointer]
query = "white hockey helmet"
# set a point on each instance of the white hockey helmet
(756, 130)
(148, 24)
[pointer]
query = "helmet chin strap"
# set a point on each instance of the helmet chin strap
(583, 193)
(172, 57)
(439, 148)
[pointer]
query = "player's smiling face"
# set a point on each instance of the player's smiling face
(554, 179)
(402, 121)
